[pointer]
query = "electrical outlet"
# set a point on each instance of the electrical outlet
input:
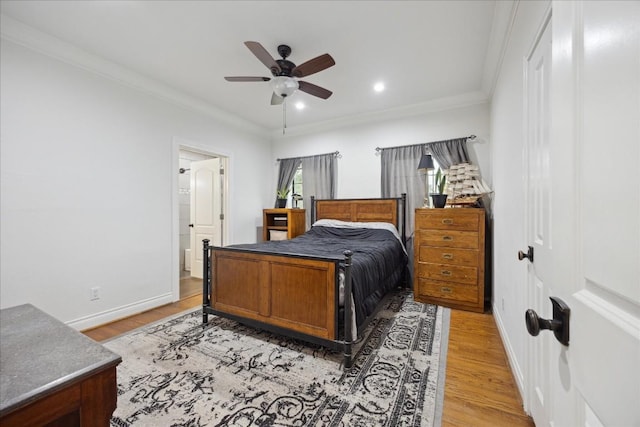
(94, 293)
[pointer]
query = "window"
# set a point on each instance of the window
(296, 189)
(432, 177)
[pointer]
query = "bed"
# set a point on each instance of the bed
(323, 286)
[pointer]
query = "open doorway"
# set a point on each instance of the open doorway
(201, 204)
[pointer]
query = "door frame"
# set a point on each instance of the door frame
(212, 150)
(527, 295)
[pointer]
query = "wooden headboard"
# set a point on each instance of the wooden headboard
(361, 210)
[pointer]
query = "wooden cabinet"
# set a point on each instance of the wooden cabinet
(449, 257)
(289, 221)
(51, 374)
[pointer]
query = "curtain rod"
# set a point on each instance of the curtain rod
(335, 153)
(471, 137)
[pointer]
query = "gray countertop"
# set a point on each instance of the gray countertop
(39, 355)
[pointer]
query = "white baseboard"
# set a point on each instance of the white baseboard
(101, 318)
(511, 357)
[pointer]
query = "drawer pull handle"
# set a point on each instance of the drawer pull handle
(445, 273)
(447, 256)
(446, 290)
(447, 238)
(447, 221)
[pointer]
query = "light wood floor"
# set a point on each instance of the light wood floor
(479, 387)
(190, 286)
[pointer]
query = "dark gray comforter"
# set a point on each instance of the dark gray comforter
(379, 259)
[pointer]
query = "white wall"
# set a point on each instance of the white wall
(359, 166)
(88, 171)
(507, 152)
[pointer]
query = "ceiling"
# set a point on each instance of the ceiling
(426, 52)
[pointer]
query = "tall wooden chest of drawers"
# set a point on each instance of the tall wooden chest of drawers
(449, 257)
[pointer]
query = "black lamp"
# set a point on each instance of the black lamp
(426, 165)
(426, 162)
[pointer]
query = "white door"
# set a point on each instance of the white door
(592, 256)
(206, 209)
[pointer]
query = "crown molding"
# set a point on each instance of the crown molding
(433, 106)
(504, 15)
(31, 38)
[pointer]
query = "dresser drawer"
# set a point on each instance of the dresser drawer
(448, 291)
(448, 219)
(448, 273)
(448, 239)
(437, 255)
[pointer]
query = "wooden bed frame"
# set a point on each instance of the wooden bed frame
(291, 294)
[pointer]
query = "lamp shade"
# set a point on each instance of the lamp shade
(284, 86)
(426, 162)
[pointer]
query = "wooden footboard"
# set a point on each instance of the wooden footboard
(290, 292)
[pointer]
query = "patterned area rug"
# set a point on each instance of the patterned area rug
(178, 373)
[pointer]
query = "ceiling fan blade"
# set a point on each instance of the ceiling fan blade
(264, 56)
(247, 79)
(276, 100)
(314, 65)
(314, 90)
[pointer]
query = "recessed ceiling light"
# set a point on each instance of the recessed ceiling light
(300, 105)
(378, 87)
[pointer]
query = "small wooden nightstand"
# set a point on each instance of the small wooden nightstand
(449, 257)
(291, 221)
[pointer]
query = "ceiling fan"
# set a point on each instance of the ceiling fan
(286, 73)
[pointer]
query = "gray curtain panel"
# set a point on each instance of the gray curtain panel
(450, 152)
(286, 173)
(399, 167)
(318, 179)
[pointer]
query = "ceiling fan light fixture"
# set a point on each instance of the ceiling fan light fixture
(284, 86)
(286, 74)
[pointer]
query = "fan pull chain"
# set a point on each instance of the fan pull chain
(284, 115)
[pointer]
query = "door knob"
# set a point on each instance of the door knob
(559, 324)
(529, 254)
(191, 225)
